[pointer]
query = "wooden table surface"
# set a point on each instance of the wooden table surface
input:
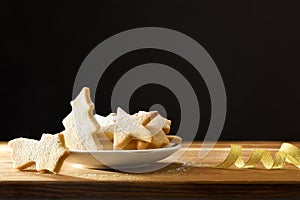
(187, 177)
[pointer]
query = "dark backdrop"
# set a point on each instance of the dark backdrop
(255, 44)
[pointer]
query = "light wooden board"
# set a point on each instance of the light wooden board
(187, 177)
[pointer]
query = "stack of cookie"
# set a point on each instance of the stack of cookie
(142, 130)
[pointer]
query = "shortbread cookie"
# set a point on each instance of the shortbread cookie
(47, 154)
(132, 145)
(157, 126)
(81, 127)
(155, 123)
(174, 139)
(145, 117)
(107, 124)
(167, 126)
(129, 127)
(159, 140)
(106, 133)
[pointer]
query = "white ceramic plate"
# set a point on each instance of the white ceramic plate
(120, 158)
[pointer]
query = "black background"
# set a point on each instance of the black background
(254, 43)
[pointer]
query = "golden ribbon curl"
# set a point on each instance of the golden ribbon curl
(287, 153)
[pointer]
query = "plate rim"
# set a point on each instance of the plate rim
(173, 146)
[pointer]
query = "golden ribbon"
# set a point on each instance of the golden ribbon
(287, 153)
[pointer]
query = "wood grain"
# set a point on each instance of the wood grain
(188, 177)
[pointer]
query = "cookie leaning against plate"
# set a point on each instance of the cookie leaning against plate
(81, 127)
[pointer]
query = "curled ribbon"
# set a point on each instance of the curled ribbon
(287, 153)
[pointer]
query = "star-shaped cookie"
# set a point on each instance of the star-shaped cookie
(157, 127)
(129, 127)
